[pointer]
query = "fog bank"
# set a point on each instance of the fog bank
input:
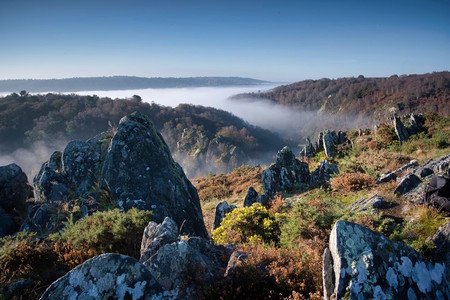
(286, 121)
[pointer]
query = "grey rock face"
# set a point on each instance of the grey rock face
(139, 171)
(362, 264)
(323, 172)
(251, 197)
(285, 174)
(386, 177)
(424, 172)
(330, 140)
(368, 205)
(174, 262)
(221, 210)
(108, 276)
(400, 130)
(416, 123)
(308, 150)
(407, 183)
(14, 192)
(80, 165)
(157, 235)
(441, 239)
(439, 165)
(133, 167)
(389, 176)
(39, 218)
(185, 266)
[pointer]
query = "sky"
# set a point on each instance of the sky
(282, 41)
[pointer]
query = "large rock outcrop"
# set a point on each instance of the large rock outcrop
(286, 174)
(131, 167)
(362, 264)
(182, 266)
(139, 171)
(323, 172)
(414, 125)
(327, 141)
(14, 192)
(107, 276)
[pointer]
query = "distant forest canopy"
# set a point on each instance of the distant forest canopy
(376, 98)
(119, 83)
(191, 132)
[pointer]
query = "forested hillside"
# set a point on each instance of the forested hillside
(202, 139)
(376, 98)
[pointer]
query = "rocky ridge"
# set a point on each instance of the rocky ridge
(131, 167)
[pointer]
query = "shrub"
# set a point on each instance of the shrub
(24, 256)
(352, 181)
(272, 273)
(108, 231)
(386, 135)
(307, 220)
(416, 231)
(252, 224)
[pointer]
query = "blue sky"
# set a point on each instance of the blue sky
(272, 40)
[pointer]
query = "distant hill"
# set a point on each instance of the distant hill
(119, 83)
(367, 98)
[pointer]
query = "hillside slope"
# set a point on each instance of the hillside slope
(375, 98)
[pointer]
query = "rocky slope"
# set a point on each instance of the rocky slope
(132, 166)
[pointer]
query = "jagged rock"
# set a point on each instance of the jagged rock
(416, 195)
(439, 165)
(308, 150)
(424, 172)
(39, 218)
(416, 123)
(221, 210)
(368, 205)
(323, 172)
(236, 259)
(286, 174)
(386, 177)
(139, 171)
(389, 176)
(407, 183)
(400, 130)
(80, 165)
(441, 240)
(251, 197)
(365, 265)
(107, 276)
(409, 167)
(319, 143)
(174, 263)
(157, 235)
(14, 192)
(330, 140)
(182, 266)
(342, 138)
(51, 187)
